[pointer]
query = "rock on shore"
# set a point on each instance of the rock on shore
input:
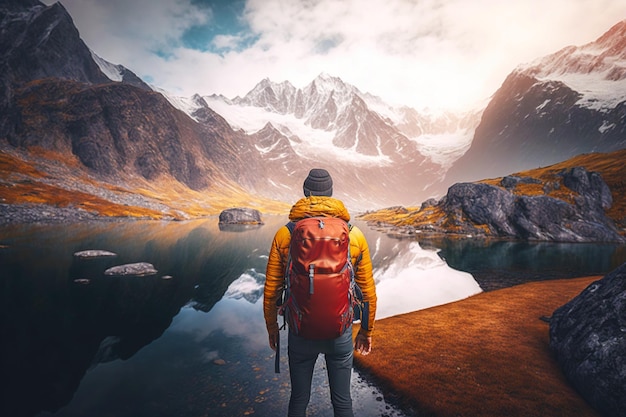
(588, 336)
(536, 217)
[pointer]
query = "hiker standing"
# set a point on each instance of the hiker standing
(304, 344)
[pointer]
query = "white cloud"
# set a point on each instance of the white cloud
(227, 41)
(450, 53)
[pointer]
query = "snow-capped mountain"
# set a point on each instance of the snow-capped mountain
(336, 117)
(565, 104)
(264, 143)
(119, 73)
(99, 114)
(596, 70)
(332, 123)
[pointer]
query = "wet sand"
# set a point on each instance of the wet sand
(487, 355)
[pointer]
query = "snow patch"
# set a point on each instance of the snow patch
(315, 144)
(606, 125)
(595, 70)
(598, 93)
(544, 104)
(445, 148)
(187, 105)
(112, 71)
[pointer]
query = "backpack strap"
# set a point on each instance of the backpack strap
(282, 300)
(285, 293)
(277, 357)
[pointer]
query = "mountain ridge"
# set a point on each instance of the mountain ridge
(57, 98)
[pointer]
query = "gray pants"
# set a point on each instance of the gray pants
(302, 356)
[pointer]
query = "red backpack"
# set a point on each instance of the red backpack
(320, 291)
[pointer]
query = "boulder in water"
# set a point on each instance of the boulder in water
(240, 215)
(138, 269)
(94, 253)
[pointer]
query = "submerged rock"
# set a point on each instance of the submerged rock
(94, 253)
(240, 215)
(588, 337)
(139, 269)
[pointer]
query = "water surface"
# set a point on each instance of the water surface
(191, 340)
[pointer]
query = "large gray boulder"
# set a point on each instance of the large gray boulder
(240, 215)
(588, 338)
(480, 208)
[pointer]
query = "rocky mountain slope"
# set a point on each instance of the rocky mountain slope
(59, 107)
(565, 104)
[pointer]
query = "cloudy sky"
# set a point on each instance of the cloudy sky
(423, 53)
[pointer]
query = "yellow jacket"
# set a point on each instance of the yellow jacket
(310, 207)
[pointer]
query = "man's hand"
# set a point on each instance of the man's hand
(363, 344)
(273, 337)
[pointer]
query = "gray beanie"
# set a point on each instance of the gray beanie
(318, 183)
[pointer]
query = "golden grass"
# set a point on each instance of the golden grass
(487, 355)
(25, 179)
(609, 165)
(22, 181)
(10, 165)
(39, 193)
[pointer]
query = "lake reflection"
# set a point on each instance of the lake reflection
(505, 263)
(191, 340)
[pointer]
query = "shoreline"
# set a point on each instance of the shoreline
(486, 355)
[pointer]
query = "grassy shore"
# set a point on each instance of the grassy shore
(487, 355)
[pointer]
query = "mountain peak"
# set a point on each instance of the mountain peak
(325, 84)
(596, 70)
(614, 44)
(269, 95)
(266, 82)
(327, 78)
(616, 34)
(605, 56)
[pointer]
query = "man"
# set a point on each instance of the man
(303, 353)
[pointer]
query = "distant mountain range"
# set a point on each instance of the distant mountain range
(61, 104)
(373, 149)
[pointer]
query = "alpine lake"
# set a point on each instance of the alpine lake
(190, 340)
